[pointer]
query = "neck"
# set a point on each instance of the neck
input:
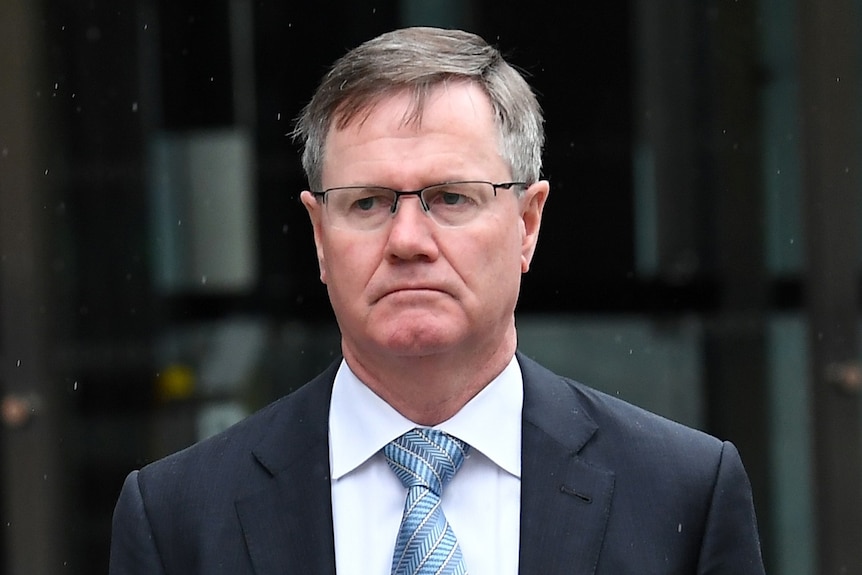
(429, 389)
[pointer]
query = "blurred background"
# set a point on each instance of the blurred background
(699, 256)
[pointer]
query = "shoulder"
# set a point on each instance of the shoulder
(182, 504)
(673, 493)
(625, 421)
(238, 454)
(620, 434)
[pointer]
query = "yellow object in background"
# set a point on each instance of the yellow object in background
(175, 382)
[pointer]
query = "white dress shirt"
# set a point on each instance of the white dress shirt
(482, 502)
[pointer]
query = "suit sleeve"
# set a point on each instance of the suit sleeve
(133, 547)
(731, 544)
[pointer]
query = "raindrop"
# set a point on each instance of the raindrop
(134, 106)
(18, 363)
(203, 280)
(46, 171)
(75, 386)
(284, 229)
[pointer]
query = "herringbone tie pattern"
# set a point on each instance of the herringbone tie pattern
(425, 460)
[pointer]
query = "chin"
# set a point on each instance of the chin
(417, 345)
(415, 339)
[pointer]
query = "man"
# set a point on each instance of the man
(423, 154)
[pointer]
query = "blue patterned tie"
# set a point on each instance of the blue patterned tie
(425, 460)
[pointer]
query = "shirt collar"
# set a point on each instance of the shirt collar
(361, 423)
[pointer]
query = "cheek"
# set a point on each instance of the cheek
(347, 265)
(494, 260)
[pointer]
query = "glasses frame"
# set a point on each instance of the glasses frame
(321, 196)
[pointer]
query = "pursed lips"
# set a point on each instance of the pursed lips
(412, 288)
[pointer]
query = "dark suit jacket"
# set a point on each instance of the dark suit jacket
(606, 488)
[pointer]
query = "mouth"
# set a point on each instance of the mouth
(419, 290)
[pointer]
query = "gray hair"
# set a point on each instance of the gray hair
(416, 60)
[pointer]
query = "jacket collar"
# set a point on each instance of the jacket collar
(288, 522)
(565, 501)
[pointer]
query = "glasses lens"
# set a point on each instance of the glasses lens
(365, 208)
(458, 203)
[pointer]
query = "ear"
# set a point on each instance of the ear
(315, 209)
(531, 215)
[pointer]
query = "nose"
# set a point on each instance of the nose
(411, 232)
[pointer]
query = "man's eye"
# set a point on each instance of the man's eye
(366, 203)
(453, 199)
(444, 198)
(370, 201)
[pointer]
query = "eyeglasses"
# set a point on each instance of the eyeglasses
(450, 205)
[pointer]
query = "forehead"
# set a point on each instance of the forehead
(454, 123)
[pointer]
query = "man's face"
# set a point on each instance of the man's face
(412, 287)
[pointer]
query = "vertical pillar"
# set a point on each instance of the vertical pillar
(829, 63)
(31, 478)
(700, 158)
(736, 337)
(670, 185)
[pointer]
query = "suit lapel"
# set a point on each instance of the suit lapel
(565, 501)
(288, 522)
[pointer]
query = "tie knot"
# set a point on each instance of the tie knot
(426, 457)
